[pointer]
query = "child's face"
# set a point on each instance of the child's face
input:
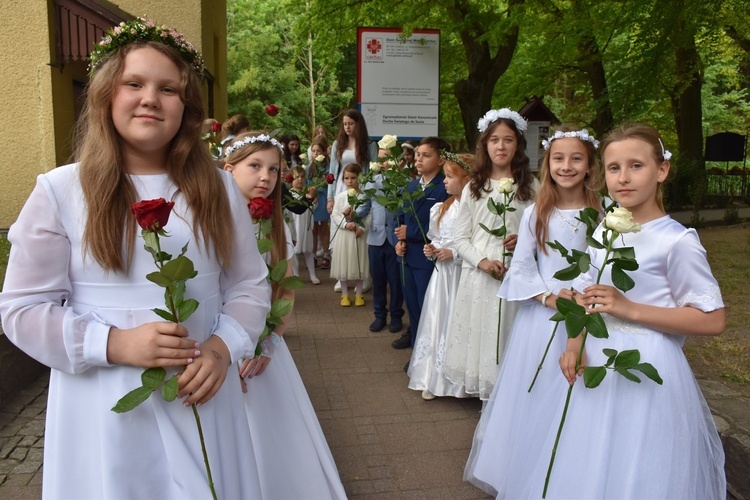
(568, 163)
(501, 146)
(408, 155)
(293, 146)
(350, 180)
(427, 160)
(146, 106)
(632, 173)
(350, 126)
(316, 151)
(298, 182)
(454, 184)
(258, 173)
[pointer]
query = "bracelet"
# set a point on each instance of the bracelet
(544, 298)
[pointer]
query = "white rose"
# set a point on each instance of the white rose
(303, 156)
(320, 158)
(351, 193)
(391, 163)
(505, 185)
(621, 220)
(387, 142)
(375, 166)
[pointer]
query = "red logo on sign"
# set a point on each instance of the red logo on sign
(374, 46)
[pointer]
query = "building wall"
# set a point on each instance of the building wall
(38, 100)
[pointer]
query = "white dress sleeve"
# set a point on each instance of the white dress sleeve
(244, 287)
(36, 284)
(433, 233)
(523, 280)
(465, 227)
(697, 288)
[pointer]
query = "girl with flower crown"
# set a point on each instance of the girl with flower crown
(290, 449)
(516, 420)
(475, 341)
(426, 365)
(76, 297)
(640, 440)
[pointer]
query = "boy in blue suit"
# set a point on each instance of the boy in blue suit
(418, 268)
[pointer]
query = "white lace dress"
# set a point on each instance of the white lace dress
(640, 440)
(350, 260)
(471, 359)
(152, 451)
(426, 365)
(293, 457)
(302, 227)
(515, 422)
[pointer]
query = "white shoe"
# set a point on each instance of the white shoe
(319, 253)
(427, 395)
(366, 285)
(315, 280)
(337, 287)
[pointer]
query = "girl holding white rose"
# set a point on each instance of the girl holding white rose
(473, 344)
(516, 419)
(641, 440)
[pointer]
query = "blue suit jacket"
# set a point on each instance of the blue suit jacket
(383, 222)
(414, 240)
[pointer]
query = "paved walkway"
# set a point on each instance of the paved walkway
(387, 441)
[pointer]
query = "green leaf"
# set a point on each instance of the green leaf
(627, 253)
(492, 206)
(626, 264)
(150, 240)
(184, 249)
(281, 307)
(620, 279)
(292, 283)
(584, 263)
(556, 245)
(163, 256)
(627, 359)
(169, 389)
(159, 279)
(628, 375)
(593, 243)
(575, 323)
(597, 327)
(569, 273)
(152, 378)
(566, 306)
(593, 376)
(186, 309)
(178, 269)
(278, 271)
(132, 399)
(609, 352)
(264, 245)
(558, 316)
(164, 314)
(178, 294)
(648, 370)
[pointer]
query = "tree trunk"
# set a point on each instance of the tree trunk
(594, 68)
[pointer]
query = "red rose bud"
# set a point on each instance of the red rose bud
(260, 208)
(216, 127)
(272, 110)
(330, 178)
(152, 215)
(289, 178)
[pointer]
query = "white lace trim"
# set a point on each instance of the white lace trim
(524, 269)
(626, 326)
(711, 298)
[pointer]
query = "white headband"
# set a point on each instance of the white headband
(495, 114)
(582, 134)
(251, 139)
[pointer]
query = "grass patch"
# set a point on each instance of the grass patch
(724, 358)
(4, 254)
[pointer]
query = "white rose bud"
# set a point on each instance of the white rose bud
(621, 220)
(387, 142)
(351, 193)
(391, 163)
(505, 185)
(375, 166)
(320, 158)
(303, 156)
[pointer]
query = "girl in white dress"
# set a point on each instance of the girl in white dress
(303, 223)
(426, 365)
(641, 440)
(350, 262)
(473, 346)
(76, 297)
(291, 451)
(515, 422)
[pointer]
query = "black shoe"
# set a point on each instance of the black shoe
(377, 325)
(396, 325)
(406, 367)
(403, 342)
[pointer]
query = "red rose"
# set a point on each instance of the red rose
(260, 208)
(289, 178)
(330, 178)
(152, 215)
(272, 110)
(216, 127)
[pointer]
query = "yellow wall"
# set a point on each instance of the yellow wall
(37, 99)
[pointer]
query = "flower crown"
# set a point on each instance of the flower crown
(495, 114)
(582, 134)
(237, 145)
(143, 29)
(454, 158)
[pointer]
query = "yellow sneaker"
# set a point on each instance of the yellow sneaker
(345, 301)
(359, 300)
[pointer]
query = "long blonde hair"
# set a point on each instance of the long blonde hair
(107, 188)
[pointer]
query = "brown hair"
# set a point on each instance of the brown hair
(109, 192)
(458, 171)
(519, 164)
(647, 134)
(299, 172)
(278, 234)
(234, 125)
(361, 137)
(548, 197)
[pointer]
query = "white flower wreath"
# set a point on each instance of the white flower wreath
(251, 139)
(582, 134)
(495, 114)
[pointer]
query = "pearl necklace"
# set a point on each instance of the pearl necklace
(574, 226)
